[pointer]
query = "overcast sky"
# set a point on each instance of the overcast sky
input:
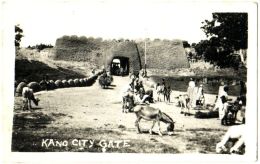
(45, 21)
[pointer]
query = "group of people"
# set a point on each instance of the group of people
(118, 70)
(223, 106)
(163, 91)
(226, 109)
(195, 94)
(135, 93)
(221, 103)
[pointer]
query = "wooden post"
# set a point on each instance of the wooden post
(145, 73)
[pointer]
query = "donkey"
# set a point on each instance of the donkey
(105, 81)
(152, 114)
(28, 96)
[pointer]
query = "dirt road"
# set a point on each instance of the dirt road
(93, 113)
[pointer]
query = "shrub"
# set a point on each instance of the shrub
(76, 82)
(82, 82)
(71, 83)
(20, 87)
(52, 84)
(58, 84)
(34, 86)
(44, 85)
(15, 83)
(65, 83)
(92, 79)
(88, 82)
(85, 80)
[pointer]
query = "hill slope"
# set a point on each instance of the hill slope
(33, 65)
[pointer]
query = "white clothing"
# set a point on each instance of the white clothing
(126, 91)
(159, 89)
(199, 93)
(193, 97)
(192, 84)
(222, 110)
(221, 93)
(139, 100)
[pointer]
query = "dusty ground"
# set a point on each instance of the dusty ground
(91, 113)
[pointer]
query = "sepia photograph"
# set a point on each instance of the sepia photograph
(135, 81)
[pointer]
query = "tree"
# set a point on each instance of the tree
(201, 47)
(231, 29)
(227, 32)
(18, 35)
(185, 44)
(193, 45)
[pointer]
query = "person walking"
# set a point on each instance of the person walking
(159, 92)
(200, 96)
(191, 92)
(221, 92)
(242, 88)
(219, 103)
(168, 94)
(223, 109)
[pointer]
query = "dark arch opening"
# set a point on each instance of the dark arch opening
(119, 66)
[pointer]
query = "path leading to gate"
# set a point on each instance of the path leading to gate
(87, 106)
(101, 108)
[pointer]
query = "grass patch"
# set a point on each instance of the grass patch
(28, 140)
(203, 140)
(33, 120)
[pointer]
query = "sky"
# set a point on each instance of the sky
(45, 21)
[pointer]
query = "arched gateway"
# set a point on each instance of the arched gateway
(128, 57)
(123, 58)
